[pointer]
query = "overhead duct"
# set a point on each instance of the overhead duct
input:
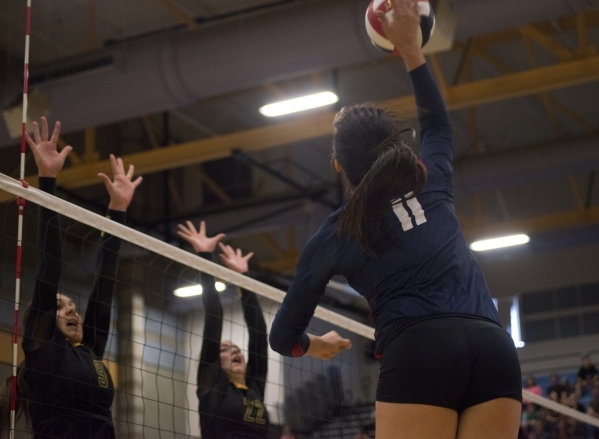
(175, 69)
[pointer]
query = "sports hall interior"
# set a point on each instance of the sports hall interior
(174, 87)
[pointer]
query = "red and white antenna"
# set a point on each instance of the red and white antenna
(21, 205)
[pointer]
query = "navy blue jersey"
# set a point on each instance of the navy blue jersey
(431, 272)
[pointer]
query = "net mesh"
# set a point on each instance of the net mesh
(153, 348)
(154, 342)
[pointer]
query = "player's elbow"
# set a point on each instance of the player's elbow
(276, 341)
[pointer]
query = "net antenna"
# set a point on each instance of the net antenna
(21, 205)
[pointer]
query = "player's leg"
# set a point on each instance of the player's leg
(423, 377)
(492, 405)
(495, 419)
(410, 421)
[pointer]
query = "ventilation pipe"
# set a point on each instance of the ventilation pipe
(175, 69)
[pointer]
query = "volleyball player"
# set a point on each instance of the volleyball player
(231, 393)
(66, 388)
(448, 369)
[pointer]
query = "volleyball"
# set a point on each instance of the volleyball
(377, 34)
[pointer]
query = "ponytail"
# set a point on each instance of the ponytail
(6, 393)
(378, 168)
(395, 173)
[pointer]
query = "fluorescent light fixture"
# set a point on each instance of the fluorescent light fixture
(194, 290)
(299, 104)
(505, 241)
(220, 286)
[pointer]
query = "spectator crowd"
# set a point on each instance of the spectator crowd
(583, 395)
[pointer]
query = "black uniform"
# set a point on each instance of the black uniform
(70, 389)
(226, 411)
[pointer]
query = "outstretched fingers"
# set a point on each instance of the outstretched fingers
(226, 249)
(55, 133)
(137, 181)
(36, 133)
(44, 128)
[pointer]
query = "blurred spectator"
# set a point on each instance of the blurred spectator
(551, 415)
(569, 428)
(530, 420)
(593, 410)
(367, 431)
(587, 373)
(556, 387)
(572, 401)
(567, 385)
(532, 386)
(547, 425)
(286, 433)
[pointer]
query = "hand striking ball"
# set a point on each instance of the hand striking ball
(377, 34)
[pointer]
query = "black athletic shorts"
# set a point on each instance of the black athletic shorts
(449, 361)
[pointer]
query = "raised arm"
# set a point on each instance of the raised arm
(209, 369)
(41, 323)
(97, 315)
(435, 129)
(257, 366)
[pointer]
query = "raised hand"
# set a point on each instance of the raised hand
(199, 241)
(401, 29)
(234, 259)
(327, 346)
(121, 188)
(48, 159)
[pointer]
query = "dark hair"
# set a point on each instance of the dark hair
(21, 396)
(6, 397)
(378, 168)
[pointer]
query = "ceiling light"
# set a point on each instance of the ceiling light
(299, 104)
(505, 241)
(194, 290)
(220, 286)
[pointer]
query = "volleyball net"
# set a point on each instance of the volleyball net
(155, 337)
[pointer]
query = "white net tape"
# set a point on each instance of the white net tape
(560, 408)
(162, 248)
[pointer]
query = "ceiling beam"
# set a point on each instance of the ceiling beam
(181, 15)
(532, 225)
(485, 91)
(537, 224)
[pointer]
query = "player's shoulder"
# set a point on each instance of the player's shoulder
(328, 229)
(325, 237)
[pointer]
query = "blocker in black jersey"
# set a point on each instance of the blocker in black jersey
(70, 390)
(228, 411)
